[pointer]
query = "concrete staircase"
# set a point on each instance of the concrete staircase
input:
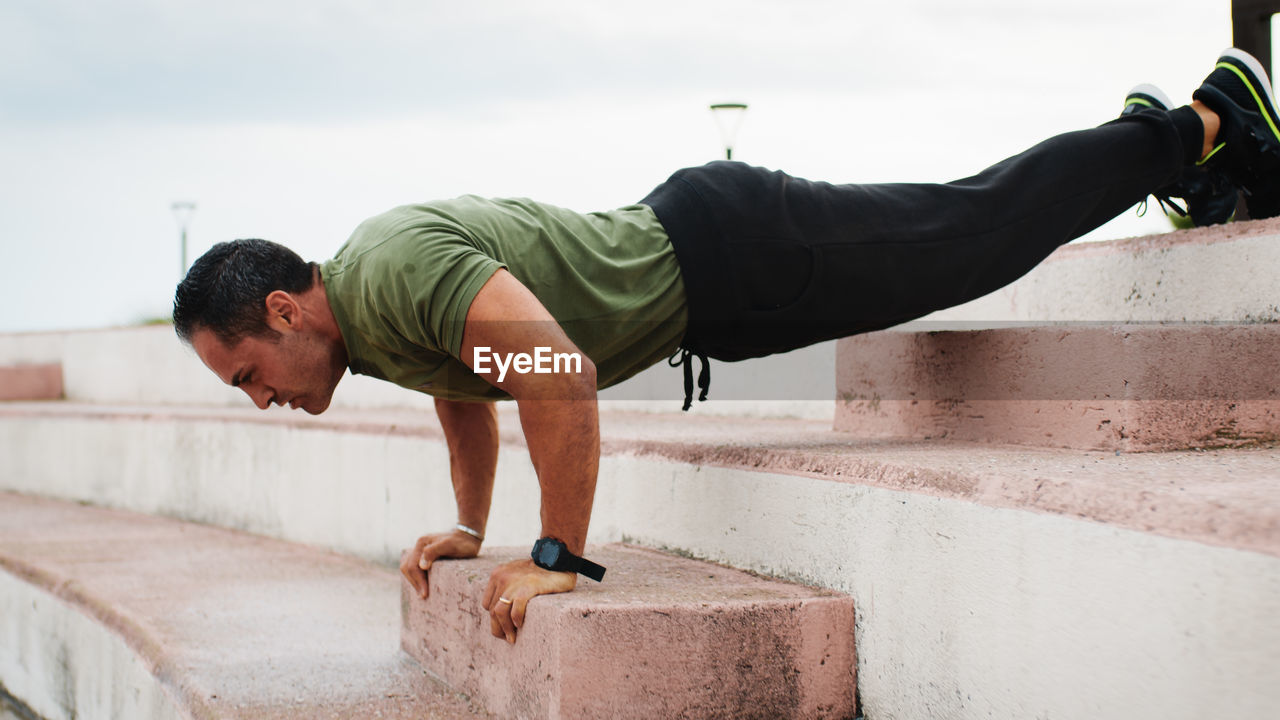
(31, 382)
(1158, 343)
(112, 614)
(663, 637)
(1125, 387)
(980, 566)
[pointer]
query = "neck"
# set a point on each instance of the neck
(315, 302)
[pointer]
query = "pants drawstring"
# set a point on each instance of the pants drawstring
(684, 359)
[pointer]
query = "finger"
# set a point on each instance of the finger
(502, 612)
(430, 552)
(416, 553)
(425, 558)
(417, 579)
(502, 608)
(495, 628)
(519, 604)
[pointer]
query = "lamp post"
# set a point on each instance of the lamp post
(1251, 28)
(728, 118)
(183, 211)
(1251, 32)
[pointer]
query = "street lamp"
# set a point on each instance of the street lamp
(183, 211)
(728, 118)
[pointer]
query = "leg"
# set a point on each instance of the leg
(773, 262)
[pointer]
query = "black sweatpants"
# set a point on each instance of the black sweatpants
(772, 262)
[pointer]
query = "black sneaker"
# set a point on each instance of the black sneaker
(1145, 97)
(1209, 195)
(1248, 149)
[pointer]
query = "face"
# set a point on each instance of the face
(297, 369)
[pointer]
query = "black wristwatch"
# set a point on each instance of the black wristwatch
(551, 554)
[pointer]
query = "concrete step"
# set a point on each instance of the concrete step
(1220, 274)
(31, 381)
(1149, 343)
(203, 463)
(661, 637)
(990, 580)
(105, 613)
(1095, 387)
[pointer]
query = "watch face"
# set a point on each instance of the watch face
(547, 553)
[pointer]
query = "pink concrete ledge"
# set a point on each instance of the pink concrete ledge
(31, 382)
(233, 625)
(661, 637)
(1127, 247)
(1225, 497)
(1092, 387)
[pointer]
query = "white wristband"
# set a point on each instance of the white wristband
(473, 533)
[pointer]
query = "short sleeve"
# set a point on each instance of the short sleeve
(422, 281)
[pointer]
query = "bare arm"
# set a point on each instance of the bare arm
(560, 419)
(471, 432)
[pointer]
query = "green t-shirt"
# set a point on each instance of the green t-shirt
(401, 286)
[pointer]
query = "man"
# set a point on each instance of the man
(473, 300)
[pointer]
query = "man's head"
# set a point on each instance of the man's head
(258, 317)
(225, 290)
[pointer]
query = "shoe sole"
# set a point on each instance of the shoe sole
(1251, 72)
(1148, 96)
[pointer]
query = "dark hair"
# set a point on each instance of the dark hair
(225, 291)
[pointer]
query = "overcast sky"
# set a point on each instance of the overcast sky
(294, 120)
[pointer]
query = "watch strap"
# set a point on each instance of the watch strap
(590, 569)
(566, 561)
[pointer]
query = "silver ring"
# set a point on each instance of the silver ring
(505, 600)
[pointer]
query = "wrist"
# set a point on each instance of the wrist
(468, 530)
(551, 554)
(575, 542)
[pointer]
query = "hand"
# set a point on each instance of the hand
(428, 549)
(519, 581)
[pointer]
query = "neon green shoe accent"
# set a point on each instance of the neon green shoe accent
(1139, 101)
(1212, 152)
(1261, 105)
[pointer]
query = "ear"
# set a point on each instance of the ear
(283, 312)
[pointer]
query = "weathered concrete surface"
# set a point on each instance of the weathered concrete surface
(367, 482)
(661, 637)
(1093, 387)
(1225, 273)
(60, 664)
(31, 382)
(989, 581)
(229, 625)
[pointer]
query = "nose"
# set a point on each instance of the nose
(259, 394)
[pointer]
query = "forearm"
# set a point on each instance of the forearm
(471, 431)
(564, 445)
(561, 425)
